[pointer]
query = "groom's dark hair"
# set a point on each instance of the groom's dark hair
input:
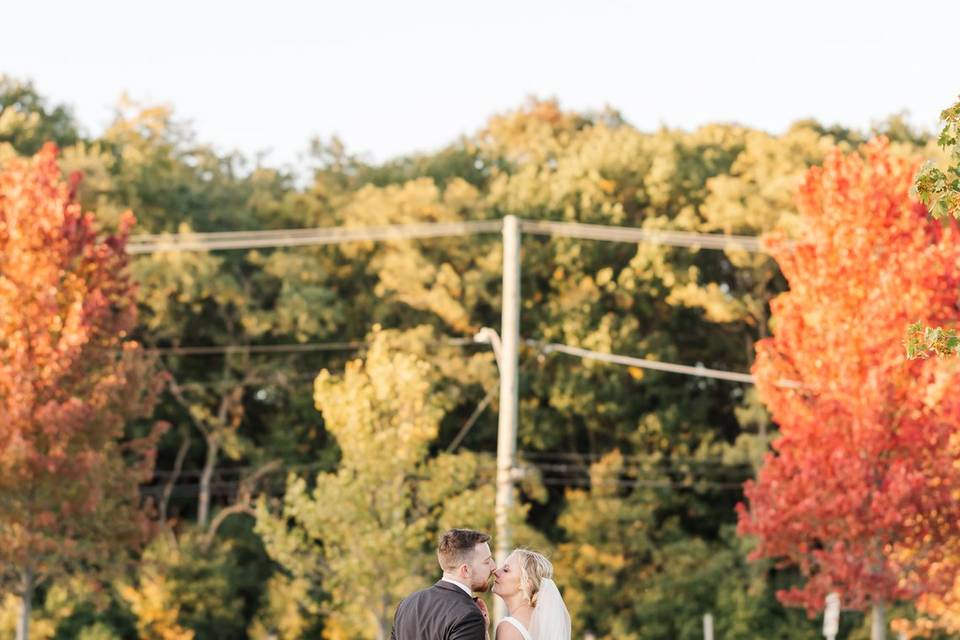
(456, 546)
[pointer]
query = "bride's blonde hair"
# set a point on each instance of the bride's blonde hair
(534, 568)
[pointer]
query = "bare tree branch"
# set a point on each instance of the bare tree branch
(175, 475)
(244, 500)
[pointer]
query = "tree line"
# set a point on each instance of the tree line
(324, 415)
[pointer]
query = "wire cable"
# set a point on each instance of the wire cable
(611, 233)
(638, 464)
(225, 240)
(303, 237)
(551, 475)
(256, 349)
(642, 363)
(280, 348)
(545, 347)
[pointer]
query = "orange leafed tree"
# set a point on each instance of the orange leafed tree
(70, 378)
(863, 466)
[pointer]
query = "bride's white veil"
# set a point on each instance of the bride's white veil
(550, 620)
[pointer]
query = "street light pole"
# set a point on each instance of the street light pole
(509, 392)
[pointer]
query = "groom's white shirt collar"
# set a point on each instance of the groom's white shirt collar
(459, 584)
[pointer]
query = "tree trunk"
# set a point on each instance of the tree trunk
(203, 509)
(26, 603)
(878, 622)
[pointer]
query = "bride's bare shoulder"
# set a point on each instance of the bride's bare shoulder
(506, 631)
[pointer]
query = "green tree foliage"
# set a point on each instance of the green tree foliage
(368, 529)
(27, 121)
(188, 588)
(940, 189)
(627, 575)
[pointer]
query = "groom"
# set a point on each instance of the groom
(448, 610)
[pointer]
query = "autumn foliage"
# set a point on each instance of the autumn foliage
(860, 491)
(70, 377)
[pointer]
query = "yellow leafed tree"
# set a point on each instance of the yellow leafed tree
(368, 530)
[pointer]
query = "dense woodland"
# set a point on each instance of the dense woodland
(285, 502)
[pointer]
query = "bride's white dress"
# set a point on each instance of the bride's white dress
(550, 619)
(519, 626)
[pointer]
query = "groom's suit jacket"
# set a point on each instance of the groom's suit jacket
(442, 612)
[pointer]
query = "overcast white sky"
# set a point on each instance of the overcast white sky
(395, 77)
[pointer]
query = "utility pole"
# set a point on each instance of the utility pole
(509, 393)
(831, 617)
(878, 622)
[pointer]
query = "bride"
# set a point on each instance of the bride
(535, 609)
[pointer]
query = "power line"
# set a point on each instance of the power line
(236, 471)
(545, 348)
(226, 240)
(229, 488)
(574, 469)
(256, 349)
(302, 237)
(623, 474)
(551, 475)
(611, 233)
(338, 235)
(678, 461)
(643, 363)
(644, 484)
(530, 458)
(300, 347)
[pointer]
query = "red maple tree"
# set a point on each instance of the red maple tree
(864, 464)
(70, 378)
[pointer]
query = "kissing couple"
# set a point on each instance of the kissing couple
(449, 611)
